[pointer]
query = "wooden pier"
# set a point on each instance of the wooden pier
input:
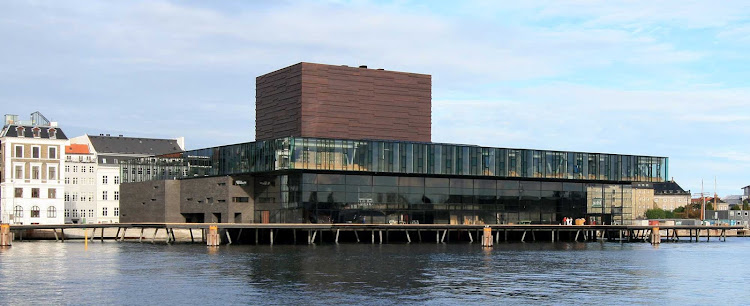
(270, 234)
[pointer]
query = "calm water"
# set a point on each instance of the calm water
(545, 273)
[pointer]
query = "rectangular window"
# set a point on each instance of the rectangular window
(52, 193)
(67, 196)
(91, 169)
(36, 152)
(67, 168)
(241, 199)
(51, 173)
(104, 180)
(83, 169)
(75, 181)
(117, 195)
(52, 152)
(19, 152)
(75, 213)
(91, 213)
(67, 181)
(75, 196)
(35, 192)
(117, 179)
(19, 192)
(104, 211)
(75, 169)
(67, 213)
(35, 173)
(104, 195)
(117, 211)
(19, 172)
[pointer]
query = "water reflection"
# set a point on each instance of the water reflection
(132, 273)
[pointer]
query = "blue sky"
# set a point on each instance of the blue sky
(666, 78)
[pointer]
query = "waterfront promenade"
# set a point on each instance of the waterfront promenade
(310, 233)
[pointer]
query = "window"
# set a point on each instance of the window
(104, 195)
(75, 181)
(35, 152)
(117, 195)
(75, 169)
(37, 132)
(67, 213)
(35, 192)
(19, 172)
(75, 196)
(91, 169)
(51, 212)
(67, 168)
(51, 173)
(75, 213)
(19, 192)
(19, 152)
(91, 213)
(241, 199)
(83, 169)
(104, 211)
(117, 211)
(35, 211)
(117, 179)
(52, 193)
(18, 211)
(104, 180)
(52, 152)
(52, 133)
(67, 180)
(35, 173)
(66, 197)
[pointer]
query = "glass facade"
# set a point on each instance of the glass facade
(353, 198)
(395, 157)
(301, 180)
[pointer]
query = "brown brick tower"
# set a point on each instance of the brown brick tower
(325, 101)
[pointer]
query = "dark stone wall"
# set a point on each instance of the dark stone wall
(315, 100)
(155, 201)
(213, 197)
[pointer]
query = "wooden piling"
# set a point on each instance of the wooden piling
(6, 236)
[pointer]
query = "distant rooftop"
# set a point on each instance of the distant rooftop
(132, 145)
(35, 119)
(669, 187)
(77, 149)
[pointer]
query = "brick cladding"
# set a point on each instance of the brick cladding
(344, 103)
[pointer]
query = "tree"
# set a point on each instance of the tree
(709, 206)
(656, 213)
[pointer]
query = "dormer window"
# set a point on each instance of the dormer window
(37, 132)
(52, 133)
(20, 131)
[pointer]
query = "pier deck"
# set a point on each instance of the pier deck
(310, 233)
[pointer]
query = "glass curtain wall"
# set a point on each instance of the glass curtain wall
(345, 198)
(395, 157)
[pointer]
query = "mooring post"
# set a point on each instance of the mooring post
(6, 236)
(271, 236)
(380, 233)
(124, 230)
(212, 238)
(487, 237)
(437, 236)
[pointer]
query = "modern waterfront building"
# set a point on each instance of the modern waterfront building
(31, 182)
(318, 159)
(92, 182)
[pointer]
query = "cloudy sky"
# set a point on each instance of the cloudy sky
(665, 78)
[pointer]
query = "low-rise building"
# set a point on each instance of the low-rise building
(669, 195)
(643, 199)
(93, 167)
(31, 183)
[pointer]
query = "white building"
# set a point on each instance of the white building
(93, 190)
(31, 181)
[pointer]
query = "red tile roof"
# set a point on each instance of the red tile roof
(77, 149)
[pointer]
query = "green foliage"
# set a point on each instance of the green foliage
(709, 206)
(736, 207)
(745, 205)
(658, 213)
